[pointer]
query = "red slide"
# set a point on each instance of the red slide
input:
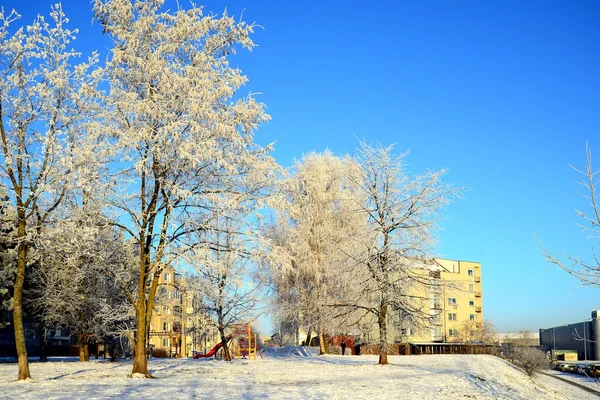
(214, 349)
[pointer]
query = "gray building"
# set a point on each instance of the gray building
(584, 337)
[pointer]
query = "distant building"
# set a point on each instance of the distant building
(452, 298)
(583, 337)
(178, 325)
(291, 334)
(522, 338)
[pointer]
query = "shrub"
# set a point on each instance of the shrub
(115, 349)
(159, 353)
(532, 360)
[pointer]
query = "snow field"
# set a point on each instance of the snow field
(289, 373)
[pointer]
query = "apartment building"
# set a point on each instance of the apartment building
(454, 306)
(178, 325)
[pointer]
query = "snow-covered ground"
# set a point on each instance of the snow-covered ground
(592, 383)
(289, 373)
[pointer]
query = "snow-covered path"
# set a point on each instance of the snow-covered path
(290, 373)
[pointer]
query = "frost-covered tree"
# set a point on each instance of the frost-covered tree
(223, 256)
(403, 213)
(84, 277)
(178, 131)
(308, 240)
(43, 102)
(587, 270)
(7, 257)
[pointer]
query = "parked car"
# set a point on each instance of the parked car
(593, 370)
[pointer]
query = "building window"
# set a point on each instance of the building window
(167, 277)
(470, 287)
(472, 303)
(452, 301)
(453, 332)
(473, 333)
(165, 326)
(167, 310)
(165, 342)
(452, 316)
(470, 272)
(190, 302)
(472, 317)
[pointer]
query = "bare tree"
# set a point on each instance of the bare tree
(531, 359)
(403, 214)
(44, 99)
(178, 132)
(587, 271)
(483, 333)
(487, 333)
(222, 256)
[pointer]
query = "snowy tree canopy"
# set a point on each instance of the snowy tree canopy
(177, 130)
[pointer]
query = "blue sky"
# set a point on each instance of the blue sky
(504, 94)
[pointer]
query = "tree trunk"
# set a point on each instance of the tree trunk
(84, 346)
(322, 349)
(308, 339)
(226, 355)
(81, 346)
(18, 304)
(140, 363)
(383, 345)
(143, 316)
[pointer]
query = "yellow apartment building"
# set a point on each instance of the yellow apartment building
(178, 325)
(453, 299)
(460, 305)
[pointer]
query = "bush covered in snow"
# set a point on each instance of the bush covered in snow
(531, 359)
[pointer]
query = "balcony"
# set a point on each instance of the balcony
(478, 309)
(477, 294)
(477, 279)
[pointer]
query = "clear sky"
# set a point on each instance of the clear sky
(505, 94)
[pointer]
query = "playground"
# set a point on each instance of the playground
(288, 372)
(242, 342)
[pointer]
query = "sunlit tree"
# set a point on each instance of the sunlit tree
(179, 132)
(44, 101)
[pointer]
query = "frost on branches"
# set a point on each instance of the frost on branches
(222, 256)
(7, 257)
(178, 132)
(44, 99)
(83, 277)
(389, 263)
(350, 246)
(308, 243)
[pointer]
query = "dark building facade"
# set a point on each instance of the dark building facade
(583, 337)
